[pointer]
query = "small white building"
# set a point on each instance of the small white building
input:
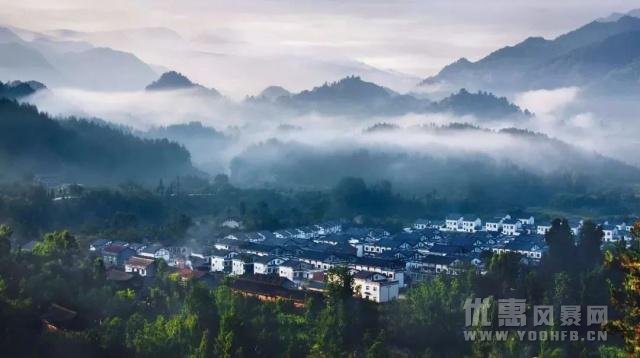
(143, 266)
(294, 270)
(453, 222)
(527, 220)
(511, 227)
(543, 229)
(266, 265)
(610, 233)
(471, 225)
(375, 287)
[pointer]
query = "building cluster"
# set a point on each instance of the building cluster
(293, 263)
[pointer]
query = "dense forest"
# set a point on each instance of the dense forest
(32, 143)
(173, 318)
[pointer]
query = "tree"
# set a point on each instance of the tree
(339, 283)
(57, 243)
(561, 246)
(590, 239)
(204, 349)
(625, 293)
(5, 243)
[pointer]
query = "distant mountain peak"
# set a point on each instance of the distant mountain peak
(618, 15)
(170, 80)
(272, 93)
(173, 80)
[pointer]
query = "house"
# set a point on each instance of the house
(493, 225)
(241, 264)
(155, 251)
(393, 269)
(542, 229)
(283, 234)
(453, 222)
(527, 220)
(294, 270)
(221, 260)
(97, 245)
(270, 288)
(379, 246)
(610, 233)
(511, 227)
(58, 318)
(421, 224)
(116, 255)
(231, 224)
(266, 265)
(375, 287)
(528, 247)
(471, 225)
(434, 264)
(575, 225)
(143, 266)
(329, 227)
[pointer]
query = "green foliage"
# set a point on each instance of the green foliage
(37, 143)
(56, 244)
(5, 243)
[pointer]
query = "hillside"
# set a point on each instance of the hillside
(538, 63)
(19, 89)
(78, 150)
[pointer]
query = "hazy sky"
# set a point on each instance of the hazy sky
(412, 37)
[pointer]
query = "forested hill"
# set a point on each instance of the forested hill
(32, 143)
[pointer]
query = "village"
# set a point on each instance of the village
(292, 264)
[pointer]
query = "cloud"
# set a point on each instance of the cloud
(546, 101)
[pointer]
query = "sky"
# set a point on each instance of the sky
(411, 37)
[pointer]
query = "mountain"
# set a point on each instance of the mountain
(205, 144)
(537, 62)
(105, 69)
(75, 150)
(522, 168)
(481, 104)
(617, 15)
(272, 93)
(19, 89)
(70, 63)
(354, 96)
(173, 80)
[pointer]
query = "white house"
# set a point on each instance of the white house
(421, 224)
(241, 264)
(543, 229)
(531, 249)
(143, 266)
(221, 260)
(610, 233)
(294, 270)
(471, 225)
(266, 265)
(375, 287)
(493, 225)
(511, 227)
(395, 273)
(527, 220)
(453, 222)
(155, 251)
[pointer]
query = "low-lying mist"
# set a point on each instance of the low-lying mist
(263, 144)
